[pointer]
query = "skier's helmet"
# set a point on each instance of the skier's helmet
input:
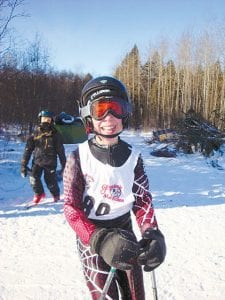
(45, 113)
(111, 93)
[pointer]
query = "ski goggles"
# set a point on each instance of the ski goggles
(99, 109)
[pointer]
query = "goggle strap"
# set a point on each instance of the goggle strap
(85, 111)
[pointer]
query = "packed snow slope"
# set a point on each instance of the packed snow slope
(37, 247)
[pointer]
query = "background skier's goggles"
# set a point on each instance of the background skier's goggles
(117, 107)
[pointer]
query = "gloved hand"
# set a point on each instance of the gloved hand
(23, 171)
(152, 249)
(119, 248)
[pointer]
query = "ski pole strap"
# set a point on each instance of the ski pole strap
(107, 283)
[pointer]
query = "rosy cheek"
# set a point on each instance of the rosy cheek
(120, 124)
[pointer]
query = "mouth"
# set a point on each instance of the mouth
(111, 128)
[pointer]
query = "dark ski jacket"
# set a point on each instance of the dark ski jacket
(45, 144)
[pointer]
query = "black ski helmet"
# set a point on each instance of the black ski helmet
(103, 86)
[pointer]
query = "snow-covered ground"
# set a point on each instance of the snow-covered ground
(37, 247)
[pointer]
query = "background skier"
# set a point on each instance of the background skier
(104, 180)
(46, 145)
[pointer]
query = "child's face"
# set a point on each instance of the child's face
(108, 126)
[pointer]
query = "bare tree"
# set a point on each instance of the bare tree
(9, 10)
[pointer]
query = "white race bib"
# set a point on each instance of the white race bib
(108, 191)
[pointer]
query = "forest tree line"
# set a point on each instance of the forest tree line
(24, 93)
(189, 74)
(166, 86)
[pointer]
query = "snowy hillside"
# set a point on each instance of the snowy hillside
(37, 247)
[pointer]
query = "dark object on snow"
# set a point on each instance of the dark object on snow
(71, 128)
(164, 152)
(196, 134)
(164, 135)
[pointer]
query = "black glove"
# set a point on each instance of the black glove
(23, 171)
(119, 248)
(152, 249)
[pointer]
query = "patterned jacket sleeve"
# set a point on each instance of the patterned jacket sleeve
(73, 193)
(143, 206)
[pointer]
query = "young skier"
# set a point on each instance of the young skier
(104, 180)
(46, 145)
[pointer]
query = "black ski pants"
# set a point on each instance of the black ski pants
(49, 177)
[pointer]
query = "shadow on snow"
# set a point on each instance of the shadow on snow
(39, 210)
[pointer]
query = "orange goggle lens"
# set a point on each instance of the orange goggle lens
(99, 109)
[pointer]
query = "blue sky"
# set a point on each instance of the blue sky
(94, 35)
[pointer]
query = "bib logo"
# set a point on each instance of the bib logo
(112, 192)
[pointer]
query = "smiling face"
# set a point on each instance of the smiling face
(110, 125)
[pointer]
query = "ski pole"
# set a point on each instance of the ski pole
(107, 283)
(154, 288)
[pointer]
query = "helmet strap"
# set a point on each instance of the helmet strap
(111, 136)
